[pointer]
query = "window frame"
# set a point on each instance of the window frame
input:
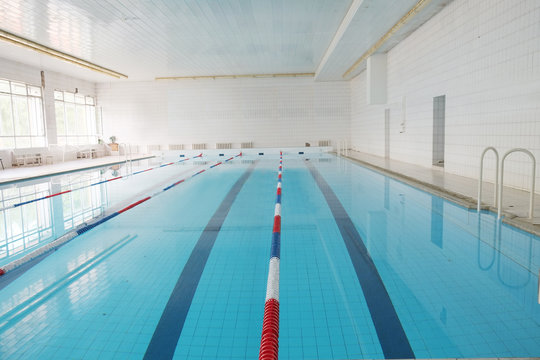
(36, 135)
(82, 106)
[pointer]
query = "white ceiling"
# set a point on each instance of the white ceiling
(145, 39)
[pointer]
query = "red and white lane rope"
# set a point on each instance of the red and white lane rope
(270, 332)
(94, 184)
(72, 234)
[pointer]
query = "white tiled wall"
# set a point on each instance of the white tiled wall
(270, 112)
(53, 81)
(484, 55)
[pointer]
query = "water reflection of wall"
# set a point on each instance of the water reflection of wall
(23, 228)
(447, 270)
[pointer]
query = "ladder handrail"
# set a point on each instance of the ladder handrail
(480, 178)
(129, 156)
(533, 180)
(343, 148)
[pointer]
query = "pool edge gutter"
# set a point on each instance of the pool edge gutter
(457, 198)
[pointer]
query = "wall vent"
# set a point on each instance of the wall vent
(325, 142)
(223, 145)
(198, 146)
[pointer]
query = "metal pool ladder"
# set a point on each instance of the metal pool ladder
(480, 178)
(129, 157)
(533, 180)
(343, 148)
(499, 185)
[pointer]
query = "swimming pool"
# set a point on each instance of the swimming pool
(370, 268)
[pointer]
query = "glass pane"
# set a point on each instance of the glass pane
(22, 123)
(36, 116)
(6, 116)
(71, 140)
(7, 143)
(90, 100)
(60, 121)
(58, 95)
(18, 88)
(34, 91)
(23, 142)
(91, 120)
(71, 122)
(4, 86)
(70, 97)
(99, 124)
(79, 99)
(82, 140)
(38, 141)
(61, 140)
(81, 120)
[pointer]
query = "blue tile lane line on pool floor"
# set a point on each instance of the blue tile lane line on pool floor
(167, 332)
(390, 332)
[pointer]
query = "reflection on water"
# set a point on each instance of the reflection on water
(463, 284)
(26, 226)
(23, 228)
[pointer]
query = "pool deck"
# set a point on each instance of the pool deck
(13, 175)
(458, 189)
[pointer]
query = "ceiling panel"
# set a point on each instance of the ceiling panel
(150, 38)
(145, 39)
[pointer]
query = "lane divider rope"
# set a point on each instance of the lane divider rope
(88, 226)
(94, 184)
(270, 332)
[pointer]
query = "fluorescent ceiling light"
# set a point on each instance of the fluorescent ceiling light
(29, 44)
(235, 76)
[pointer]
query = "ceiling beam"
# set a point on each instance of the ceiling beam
(408, 16)
(339, 34)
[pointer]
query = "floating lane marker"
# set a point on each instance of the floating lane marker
(94, 184)
(270, 333)
(69, 236)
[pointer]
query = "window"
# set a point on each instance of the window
(75, 119)
(22, 123)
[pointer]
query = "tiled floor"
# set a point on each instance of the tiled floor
(11, 175)
(459, 189)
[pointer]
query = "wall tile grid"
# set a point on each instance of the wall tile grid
(367, 121)
(485, 57)
(270, 112)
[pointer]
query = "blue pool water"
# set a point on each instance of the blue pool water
(370, 268)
